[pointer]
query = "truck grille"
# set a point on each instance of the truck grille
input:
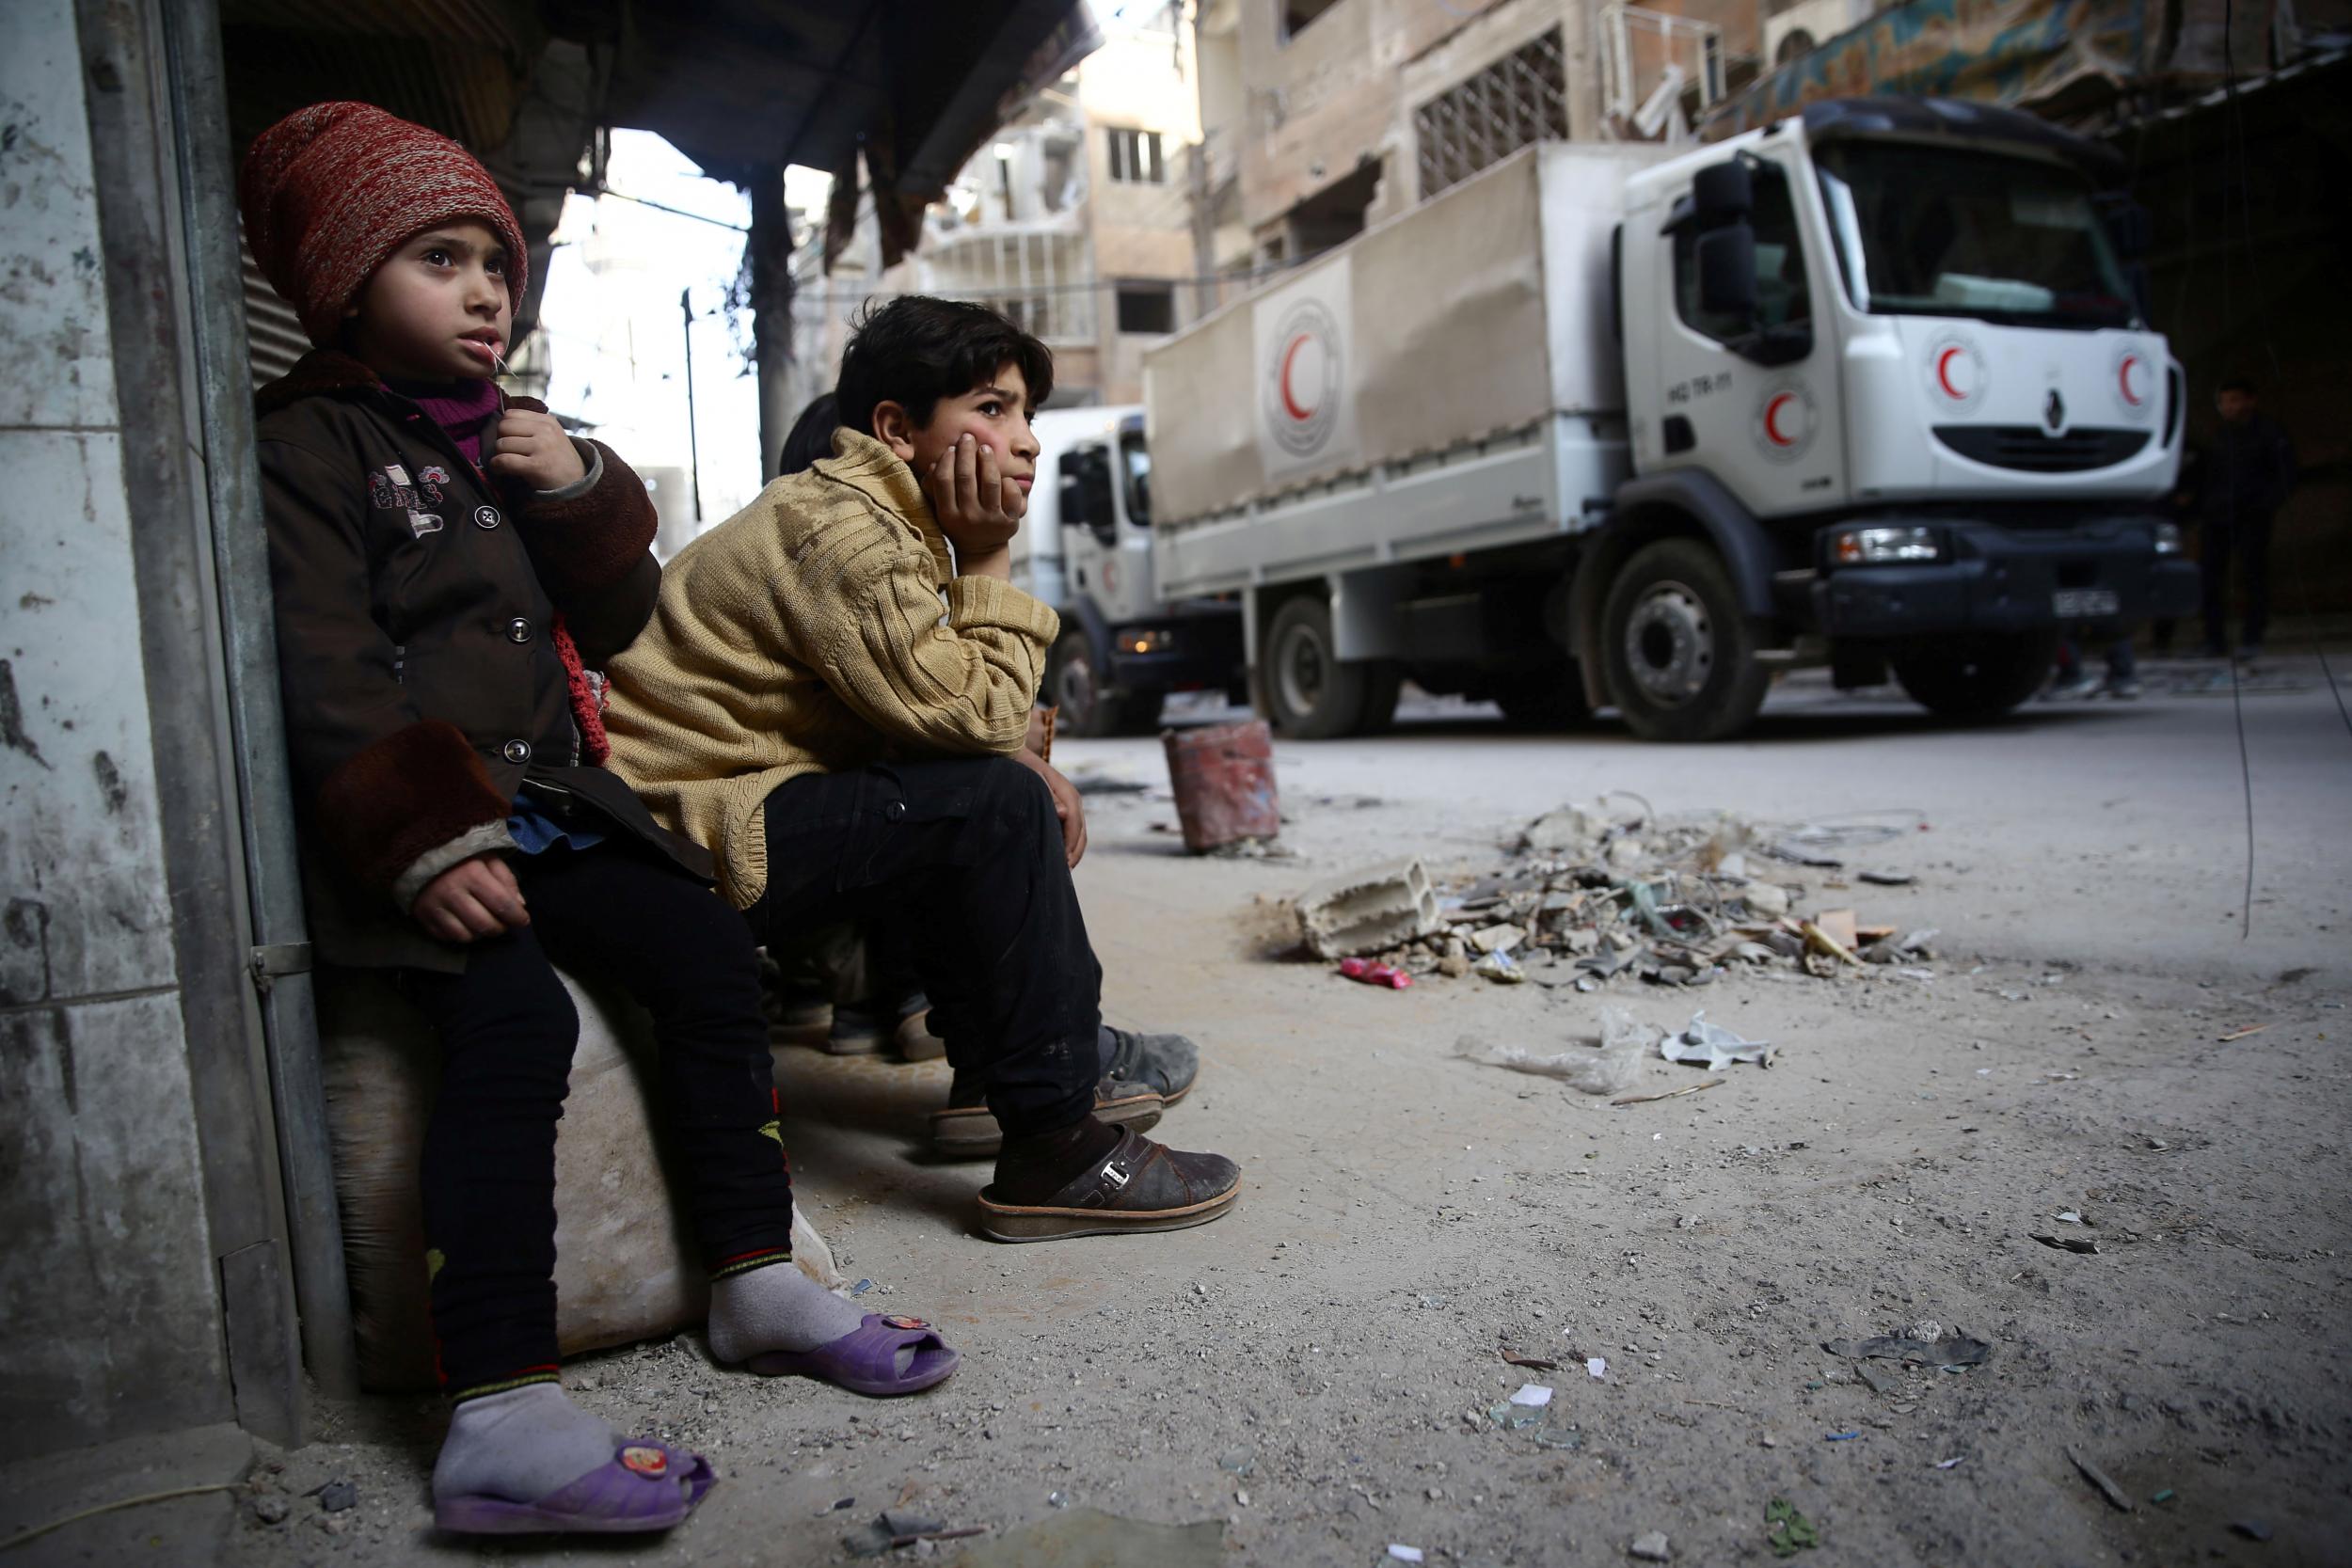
(2025, 447)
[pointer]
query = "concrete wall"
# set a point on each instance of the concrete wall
(101, 1182)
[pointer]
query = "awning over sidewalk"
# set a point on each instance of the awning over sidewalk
(2080, 62)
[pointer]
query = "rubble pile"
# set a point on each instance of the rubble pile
(1587, 899)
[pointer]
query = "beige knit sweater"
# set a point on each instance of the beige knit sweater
(805, 634)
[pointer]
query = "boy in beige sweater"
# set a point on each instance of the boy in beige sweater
(832, 696)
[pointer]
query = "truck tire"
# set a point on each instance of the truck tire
(1679, 655)
(1549, 699)
(1311, 695)
(1072, 684)
(1978, 677)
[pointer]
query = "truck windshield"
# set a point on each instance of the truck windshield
(1932, 231)
(1135, 471)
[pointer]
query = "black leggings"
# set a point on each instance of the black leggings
(507, 1029)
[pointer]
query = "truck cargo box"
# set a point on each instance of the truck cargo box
(1484, 310)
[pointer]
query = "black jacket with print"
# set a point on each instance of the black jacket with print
(415, 613)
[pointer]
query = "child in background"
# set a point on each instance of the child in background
(446, 566)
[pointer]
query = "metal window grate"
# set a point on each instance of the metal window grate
(1521, 98)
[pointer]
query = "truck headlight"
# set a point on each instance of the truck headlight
(2167, 538)
(1151, 640)
(1880, 547)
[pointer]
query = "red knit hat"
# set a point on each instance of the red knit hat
(331, 190)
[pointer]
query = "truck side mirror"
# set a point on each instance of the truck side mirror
(1085, 493)
(1723, 193)
(1727, 263)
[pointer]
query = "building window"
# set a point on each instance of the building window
(1039, 279)
(1521, 98)
(1147, 307)
(1298, 14)
(1136, 157)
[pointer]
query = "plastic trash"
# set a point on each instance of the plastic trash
(1534, 1395)
(1712, 1046)
(1607, 1071)
(1375, 974)
(1499, 967)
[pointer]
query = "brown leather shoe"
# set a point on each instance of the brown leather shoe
(1140, 1185)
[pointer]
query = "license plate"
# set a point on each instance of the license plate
(2084, 604)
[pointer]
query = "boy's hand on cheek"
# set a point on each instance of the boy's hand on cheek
(477, 897)
(977, 508)
(533, 448)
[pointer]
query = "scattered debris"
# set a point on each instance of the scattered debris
(2241, 1033)
(1376, 908)
(1712, 1046)
(1946, 1463)
(1651, 1547)
(1373, 973)
(1787, 1531)
(1404, 1554)
(2253, 1530)
(337, 1496)
(1497, 966)
(1592, 892)
(2066, 1243)
(1840, 1436)
(1536, 1363)
(1671, 1094)
(891, 1530)
(1596, 1366)
(1941, 1348)
(2100, 1478)
(270, 1509)
(1102, 1541)
(1889, 878)
(1533, 1396)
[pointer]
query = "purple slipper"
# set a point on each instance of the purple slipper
(866, 1359)
(646, 1486)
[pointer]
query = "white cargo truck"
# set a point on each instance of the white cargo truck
(1871, 388)
(1086, 548)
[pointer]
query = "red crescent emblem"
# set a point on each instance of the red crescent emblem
(2124, 374)
(1290, 403)
(1944, 374)
(1772, 419)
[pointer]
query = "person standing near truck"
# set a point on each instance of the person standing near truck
(2247, 473)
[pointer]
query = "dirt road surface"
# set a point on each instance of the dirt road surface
(1316, 1372)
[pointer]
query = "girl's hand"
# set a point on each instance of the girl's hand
(533, 449)
(477, 897)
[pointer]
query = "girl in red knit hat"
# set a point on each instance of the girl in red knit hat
(446, 564)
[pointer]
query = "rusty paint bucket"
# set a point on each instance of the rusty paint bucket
(1224, 781)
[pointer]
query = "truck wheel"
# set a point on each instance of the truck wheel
(1680, 657)
(1088, 709)
(1312, 696)
(1978, 677)
(1550, 698)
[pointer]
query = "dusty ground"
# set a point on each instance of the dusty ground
(1315, 1370)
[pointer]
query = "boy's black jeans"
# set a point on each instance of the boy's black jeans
(962, 857)
(508, 1028)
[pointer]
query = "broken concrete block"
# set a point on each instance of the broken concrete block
(1564, 828)
(1369, 910)
(1502, 938)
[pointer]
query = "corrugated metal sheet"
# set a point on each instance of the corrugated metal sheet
(274, 337)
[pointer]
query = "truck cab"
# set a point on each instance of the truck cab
(1085, 549)
(1893, 401)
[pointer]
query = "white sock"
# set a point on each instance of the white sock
(775, 1308)
(519, 1444)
